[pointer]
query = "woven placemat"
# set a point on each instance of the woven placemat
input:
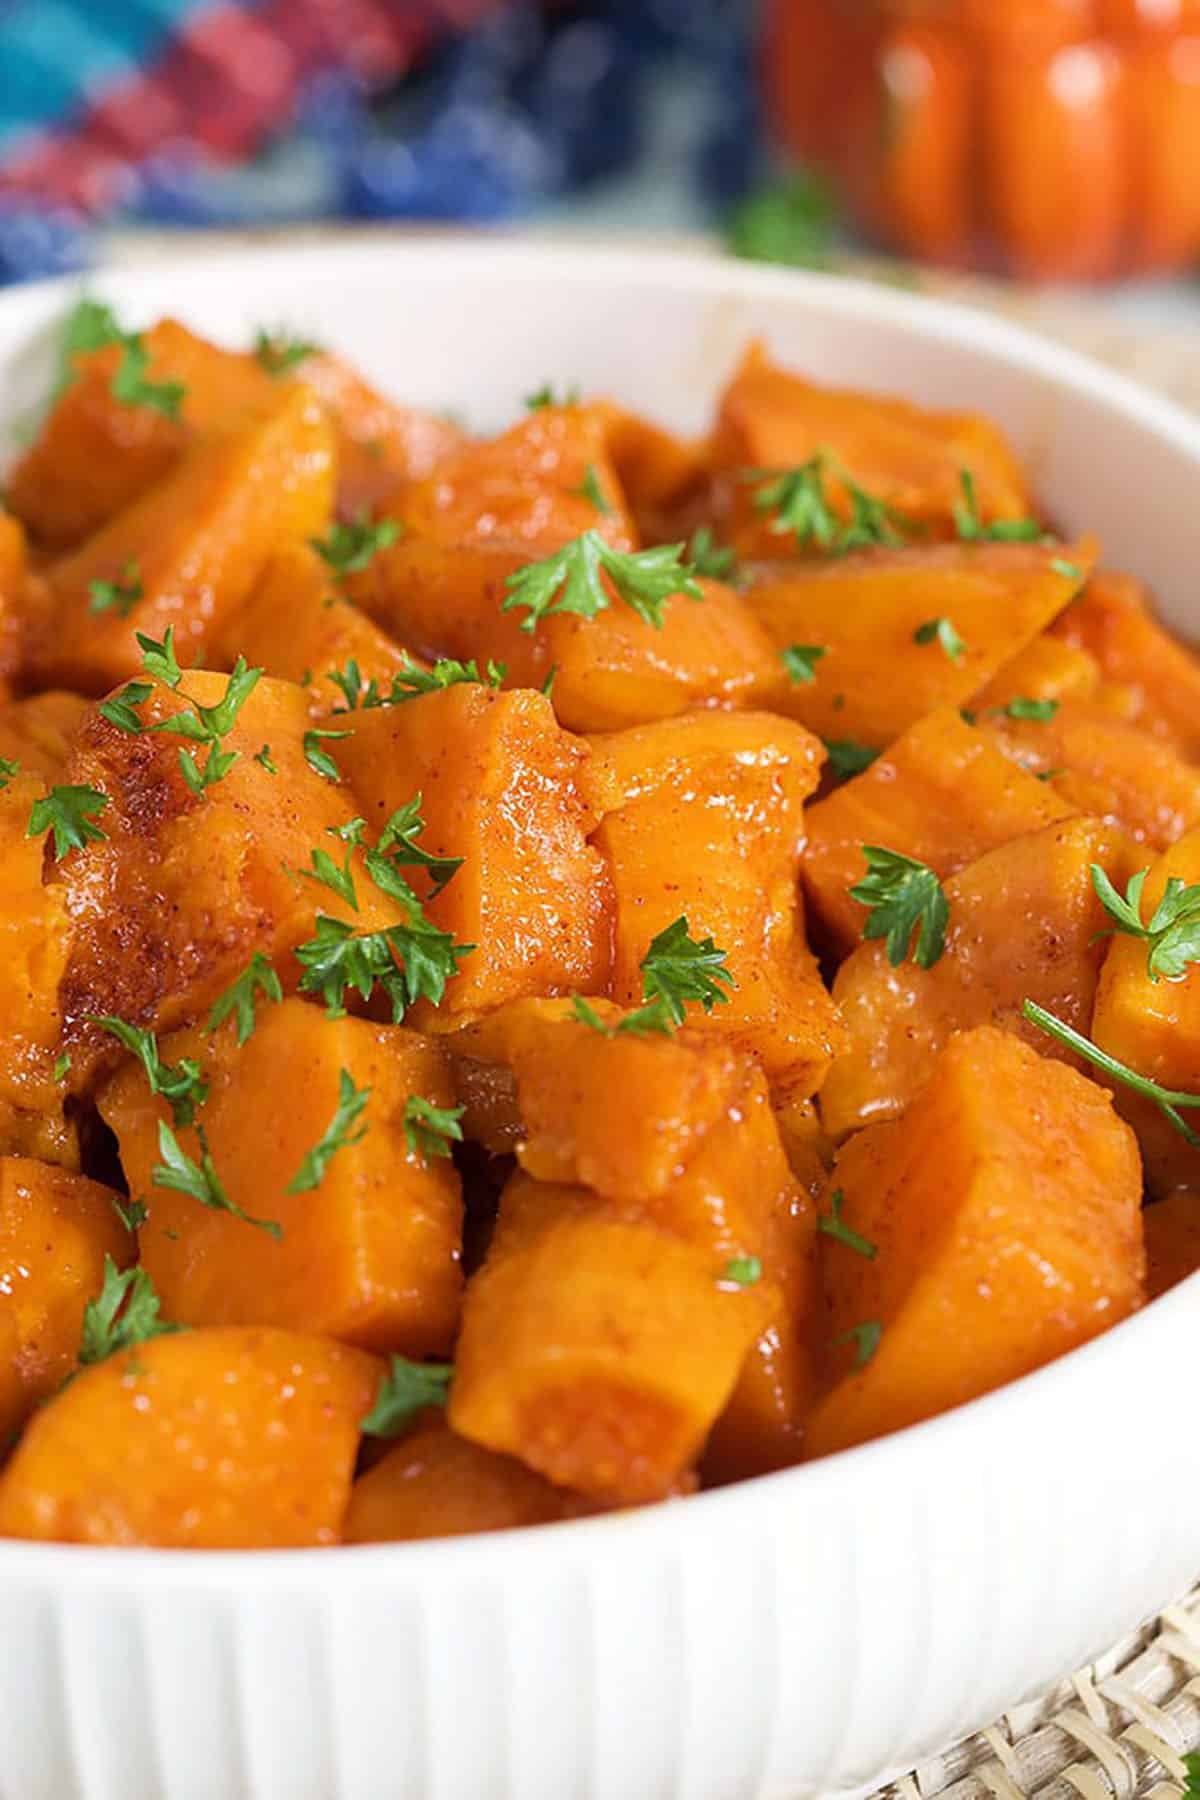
(1116, 1730)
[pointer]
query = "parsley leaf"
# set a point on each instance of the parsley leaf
(124, 1313)
(9, 769)
(406, 1389)
(339, 880)
(570, 581)
(545, 396)
(279, 353)
(848, 758)
(339, 1134)
(318, 760)
(263, 756)
(902, 895)
(647, 1021)
(971, 528)
(707, 557)
(91, 325)
(209, 724)
(590, 489)
(238, 999)
(350, 547)
(834, 1226)
(129, 385)
(800, 661)
(1173, 934)
(1022, 707)
(677, 968)
(68, 813)
(429, 1130)
(398, 848)
(132, 1214)
(62, 1066)
(178, 1172)
(742, 1271)
(793, 222)
(1068, 570)
(182, 1084)
(865, 1338)
(798, 499)
(413, 681)
(1169, 1101)
(122, 709)
(338, 957)
(942, 630)
(118, 596)
(159, 659)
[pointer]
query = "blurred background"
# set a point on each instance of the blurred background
(1027, 141)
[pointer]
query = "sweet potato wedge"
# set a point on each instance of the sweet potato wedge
(55, 1231)
(501, 786)
(369, 1255)
(37, 733)
(198, 541)
(435, 1484)
(1025, 924)
(1111, 621)
(1026, 1242)
(1047, 669)
(874, 616)
(34, 951)
(207, 1440)
(943, 793)
(704, 818)
(1172, 1227)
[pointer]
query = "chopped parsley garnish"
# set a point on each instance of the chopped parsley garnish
(571, 581)
(1021, 706)
(834, 1226)
(350, 547)
(118, 596)
(801, 506)
(1068, 570)
(406, 1389)
(742, 1271)
(648, 1021)
(200, 1180)
(62, 1066)
(199, 724)
(124, 1313)
(258, 977)
(131, 388)
(339, 1134)
(800, 661)
(68, 814)
(590, 489)
(903, 896)
(91, 325)
(182, 1084)
(1173, 932)
(941, 631)
(122, 709)
(865, 1338)
(676, 969)
(132, 1214)
(971, 528)
(848, 758)
(159, 658)
(707, 557)
(410, 682)
(398, 848)
(430, 1130)
(279, 353)
(319, 760)
(264, 757)
(325, 870)
(10, 768)
(545, 396)
(1169, 1101)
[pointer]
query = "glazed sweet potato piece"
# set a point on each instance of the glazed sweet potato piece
(96, 455)
(17, 604)
(34, 949)
(206, 1440)
(296, 625)
(660, 474)
(1005, 1211)
(55, 1231)
(198, 540)
(170, 906)
(1172, 1228)
(1111, 621)
(37, 733)
(371, 1253)
(704, 818)
(1101, 764)
(1025, 924)
(1047, 669)
(873, 614)
(501, 786)
(598, 1350)
(911, 458)
(943, 794)
(436, 1484)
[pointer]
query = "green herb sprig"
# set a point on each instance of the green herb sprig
(902, 896)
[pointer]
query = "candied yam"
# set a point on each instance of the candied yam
(37, 733)
(19, 600)
(202, 1440)
(34, 952)
(1005, 1208)
(169, 908)
(1099, 763)
(435, 1484)
(943, 793)
(297, 626)
(659, 473)
(1046, 669)
(805, 1144)
(1161, 676)
(199, 538)
(501, 786)
(95, 455)
(911, 458)
(56, 1229)
(875, 679)
(704, 818)
(1172, 1228)
(597, 1350)
(1025, 924)
(371, 1254)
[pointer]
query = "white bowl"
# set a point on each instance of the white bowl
(812, 1630)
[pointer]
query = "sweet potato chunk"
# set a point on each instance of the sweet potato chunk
(1025, 924)
(436, 1484)
(1172, 1228)
(501, 786)
(1161, 677)
(943, 793)
(371, 1254)
(1100, 764)
(208, 1440)
(169, 908)
(95, 455)
(55, 1231)
(659, 472)
(875, 679)
(34, 948)
(199, 539)
(17, 608)
(910, 457)
(704, 818)
(296, 625)
(1005, 1208)
(599, 1350)
(37, 733)
(1047, 669)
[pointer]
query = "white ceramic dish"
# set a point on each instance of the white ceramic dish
(809, 1631)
